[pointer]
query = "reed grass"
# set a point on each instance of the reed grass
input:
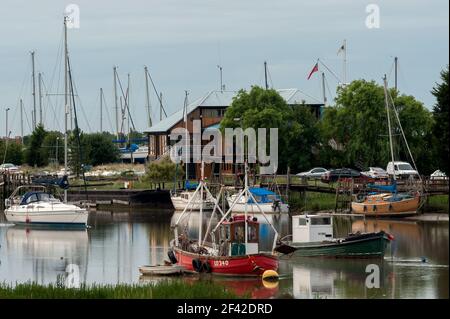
(165, 289)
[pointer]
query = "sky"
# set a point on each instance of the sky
(183, 41)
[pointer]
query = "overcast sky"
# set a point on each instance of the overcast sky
(183, 41)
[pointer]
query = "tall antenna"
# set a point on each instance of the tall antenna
(222, 87)
(34, 89)
(101, 110)
(323, 90)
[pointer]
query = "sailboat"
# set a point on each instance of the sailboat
(388, 202)
(37, 205)
(237, 252)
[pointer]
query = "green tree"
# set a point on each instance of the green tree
(441, 122)
(303, 139)
(354, 132)
(34, 156)
(260, 108)
(11, 152)
(100, 149)
(162, 170)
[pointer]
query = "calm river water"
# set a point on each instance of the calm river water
(116, 244)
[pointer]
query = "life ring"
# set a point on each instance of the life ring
(360, 197)
(172, 257)
(197, 265)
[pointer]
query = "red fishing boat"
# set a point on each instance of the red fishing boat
(233, 256)
(234, 242)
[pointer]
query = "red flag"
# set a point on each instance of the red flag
(315, 69)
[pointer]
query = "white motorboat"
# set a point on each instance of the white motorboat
(181, 200)
(268, 201)
(38, 206)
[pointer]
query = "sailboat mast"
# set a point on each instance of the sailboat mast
(40, 97)
(34, 89)
(116, 101)
(21, 120)
(66, 106)
(396, 71)
(188, 142)
(389, 122)
(147, 96)
(265, 75)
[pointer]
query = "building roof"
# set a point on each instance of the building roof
(215, 99)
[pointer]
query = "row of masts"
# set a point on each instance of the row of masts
(122, 109)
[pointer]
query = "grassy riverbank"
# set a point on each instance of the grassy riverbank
(311, 201)
(437, 203)
(176, 289)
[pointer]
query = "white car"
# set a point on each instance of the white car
(401, 169)
(438, 175)
(8, 167)
(376, 172)
(316, 172)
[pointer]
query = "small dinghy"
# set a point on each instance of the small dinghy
(161, 270)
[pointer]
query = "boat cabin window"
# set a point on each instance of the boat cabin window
(302, 221)
(321, 221)
(31, 199)
(238, 233)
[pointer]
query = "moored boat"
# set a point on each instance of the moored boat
(38, 206)
(234, 247)
(266, 200)
(312, 236)
(387, 204)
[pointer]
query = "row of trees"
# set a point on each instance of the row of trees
(43, 147)
(353, 132)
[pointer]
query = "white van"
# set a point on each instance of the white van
(402, 169)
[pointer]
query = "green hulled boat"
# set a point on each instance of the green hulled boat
(312, 236)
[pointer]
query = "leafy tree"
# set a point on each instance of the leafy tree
(34, 156)
(100, 149)
(303, 139)
(354, 132)
(441, 122)
(14, 152)
(260, 108)
(162, 170)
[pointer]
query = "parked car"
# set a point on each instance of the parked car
(376, 172)
(438, 175)
(401, 169)
(316, 172)
(8, 167)
(335, 174)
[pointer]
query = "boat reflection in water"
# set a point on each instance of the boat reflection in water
(254, 288)
(51, 252)
(320, 278)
